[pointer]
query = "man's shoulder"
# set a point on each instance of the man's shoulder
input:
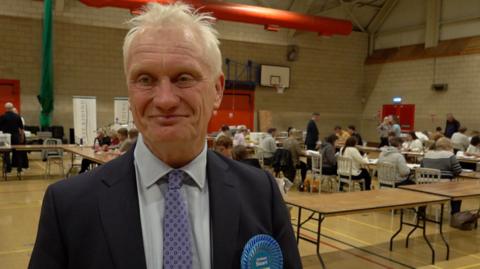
(93, 181)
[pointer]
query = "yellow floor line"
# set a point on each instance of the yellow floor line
(366, 224)
(469, 266)
(15, 251)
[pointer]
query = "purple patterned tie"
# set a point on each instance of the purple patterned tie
(177, 246)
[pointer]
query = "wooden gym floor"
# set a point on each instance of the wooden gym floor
(352, 241)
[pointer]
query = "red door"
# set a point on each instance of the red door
(405, 114)
(237, 108)
(10, 92)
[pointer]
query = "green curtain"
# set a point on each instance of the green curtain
(46, 89)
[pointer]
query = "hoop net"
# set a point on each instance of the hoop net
(280, 88)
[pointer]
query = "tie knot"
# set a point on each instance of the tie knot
(175, 179)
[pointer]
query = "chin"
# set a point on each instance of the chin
(170, 135)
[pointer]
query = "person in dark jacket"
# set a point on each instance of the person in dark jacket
(312, 132)
(329, 160)
(451, 126)
(353, 132)
(11, 123)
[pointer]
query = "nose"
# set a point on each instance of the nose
(165, 97)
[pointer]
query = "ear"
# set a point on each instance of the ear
(219, 88)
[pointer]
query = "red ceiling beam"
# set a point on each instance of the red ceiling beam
(247, 14)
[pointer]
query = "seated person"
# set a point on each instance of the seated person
(125, 143)
(240, 154)
(474, 147)
(114, 139)
(225, 131)
(341, 135)
(412, 143)
(291, 144)
(132, 135)
(460, 140)
(329, 160)
(269, 146)
(239, 138)
(223, 145)
(358, 172)
(442, 158)
(100, 143)
(391, 154)
(351, 130)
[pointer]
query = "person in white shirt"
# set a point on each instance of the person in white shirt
(269, 146)
(474, 147)
(460, 141)
(358, 172)
(239, 138)
(412, 143)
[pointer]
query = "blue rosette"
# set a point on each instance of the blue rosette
(262, 251)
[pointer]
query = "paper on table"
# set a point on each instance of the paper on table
(372, 161)
(413, 165)
(312, 153)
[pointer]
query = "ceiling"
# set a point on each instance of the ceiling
(359, 12)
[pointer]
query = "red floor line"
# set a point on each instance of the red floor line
(353, 254)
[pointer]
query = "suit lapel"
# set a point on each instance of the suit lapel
(224, 211)
(120, 215)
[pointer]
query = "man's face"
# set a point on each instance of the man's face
(171, 89)
(449, 117)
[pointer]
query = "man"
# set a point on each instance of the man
(392, 154)
(100, 143)
(125, 142)
(451, 126)
(312, 132)
(269, 146)
(168, 200)
(11, 123)
(291, 144)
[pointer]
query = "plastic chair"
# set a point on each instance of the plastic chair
(344, 171)
(53, 156)
(386, 174)
(427, 175)
(317, 166)
(259, 154)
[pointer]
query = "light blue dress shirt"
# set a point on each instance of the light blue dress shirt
(151, 190)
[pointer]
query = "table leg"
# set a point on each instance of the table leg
(298, 224)
(424, 222)
(399, 230)
(320, 220)
(441, 230)
(414, 228)
(71, 166)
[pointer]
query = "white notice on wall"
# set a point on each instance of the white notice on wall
(85, 119)
(123, 115)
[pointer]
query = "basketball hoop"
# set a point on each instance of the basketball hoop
(280, 88)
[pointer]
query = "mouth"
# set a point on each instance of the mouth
(169, 119)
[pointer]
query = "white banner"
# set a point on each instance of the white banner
(123, 115)
(85, 119)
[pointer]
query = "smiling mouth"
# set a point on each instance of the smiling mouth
(167, 119)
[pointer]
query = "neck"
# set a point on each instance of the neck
(176, 155)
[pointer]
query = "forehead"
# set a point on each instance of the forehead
(169, 39)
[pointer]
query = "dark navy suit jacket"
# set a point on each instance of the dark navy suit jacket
(93, 220)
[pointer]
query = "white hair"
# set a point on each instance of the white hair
(178, 15)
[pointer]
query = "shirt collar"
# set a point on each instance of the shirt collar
(151, 169)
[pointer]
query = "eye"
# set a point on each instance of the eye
(184, 80)
(144, 81)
